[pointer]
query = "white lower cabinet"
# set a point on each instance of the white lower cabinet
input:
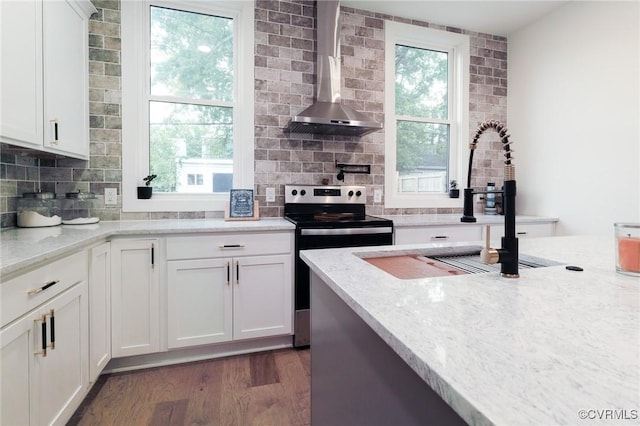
(436, 234)
(468, 232)
(523, 230)
(135, 297)
(262, 297)
(99, 309)
(200, 303)
(62, 377)
(17, 347)
(44, 353)
(221, 299)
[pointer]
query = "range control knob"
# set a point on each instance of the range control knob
(350, 193)
(294, 192)
(303, 192)
(358, 193)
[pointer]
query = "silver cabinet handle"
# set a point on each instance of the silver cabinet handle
(43, 288)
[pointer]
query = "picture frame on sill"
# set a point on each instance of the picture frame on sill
(242, 205)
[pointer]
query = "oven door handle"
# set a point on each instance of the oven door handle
(347, 231)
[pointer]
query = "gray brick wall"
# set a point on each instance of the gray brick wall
(284, 85)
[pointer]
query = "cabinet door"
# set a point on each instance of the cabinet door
(21, 70)
(61, 378)
(65, 79)
(99, 310)
(262, 296)
(16, 363)
(135, 298)
(199, 302)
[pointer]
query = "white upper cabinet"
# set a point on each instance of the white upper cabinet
(66, 85)
(45, 75)
(21, 67)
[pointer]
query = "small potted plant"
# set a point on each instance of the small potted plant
(144, 192)
(454, 192)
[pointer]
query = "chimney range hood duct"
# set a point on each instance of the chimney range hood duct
(328, 115)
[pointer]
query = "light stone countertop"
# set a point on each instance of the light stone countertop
(400, 221)
(22, 248)
(534, 350)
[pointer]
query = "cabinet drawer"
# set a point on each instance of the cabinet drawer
(25, 292)
(227, 245)
(535, 230)
(523, 230)
(436, 234)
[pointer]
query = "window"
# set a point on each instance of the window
(194, 179)
(426, 116)
(185, 66)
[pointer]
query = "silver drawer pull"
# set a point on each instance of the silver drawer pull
(231, 246)
(440, 237)
(43, 288)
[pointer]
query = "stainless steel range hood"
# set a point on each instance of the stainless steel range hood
(328, 115)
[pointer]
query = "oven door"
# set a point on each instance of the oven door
(320, 238)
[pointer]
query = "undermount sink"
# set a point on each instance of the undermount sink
(442, 262)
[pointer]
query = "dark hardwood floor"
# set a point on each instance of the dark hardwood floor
(268, 388)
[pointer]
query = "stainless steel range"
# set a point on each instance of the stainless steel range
(327, 217)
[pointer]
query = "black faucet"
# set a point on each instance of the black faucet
(507, 256)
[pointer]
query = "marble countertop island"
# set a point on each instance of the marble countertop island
(551, 347)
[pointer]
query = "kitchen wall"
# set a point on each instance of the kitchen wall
(574, 115)
(284, 83)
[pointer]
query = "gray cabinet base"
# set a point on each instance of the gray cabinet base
(357, 379)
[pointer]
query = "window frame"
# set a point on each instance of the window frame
(136, 96)
(458, 47)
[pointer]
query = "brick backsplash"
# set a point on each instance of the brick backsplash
(284, 85)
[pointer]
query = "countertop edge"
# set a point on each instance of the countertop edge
(108, 230)
(407, 221)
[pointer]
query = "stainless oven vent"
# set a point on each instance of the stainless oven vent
(328, 115)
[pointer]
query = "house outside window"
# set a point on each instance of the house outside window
(426, 114)
(185, 67)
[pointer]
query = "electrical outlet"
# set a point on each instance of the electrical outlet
(377, 195)
(271, 195)
(111, 196)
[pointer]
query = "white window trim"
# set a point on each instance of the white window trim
(135, 153)
(428, 38)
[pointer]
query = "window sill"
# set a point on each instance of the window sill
(423, 201)
(163, 202)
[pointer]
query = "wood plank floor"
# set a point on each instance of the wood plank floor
(267, 388)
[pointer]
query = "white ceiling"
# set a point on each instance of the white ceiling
(491, 17)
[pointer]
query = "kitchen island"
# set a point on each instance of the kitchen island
(551, 347)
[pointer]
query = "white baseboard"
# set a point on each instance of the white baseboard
(199, 353)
